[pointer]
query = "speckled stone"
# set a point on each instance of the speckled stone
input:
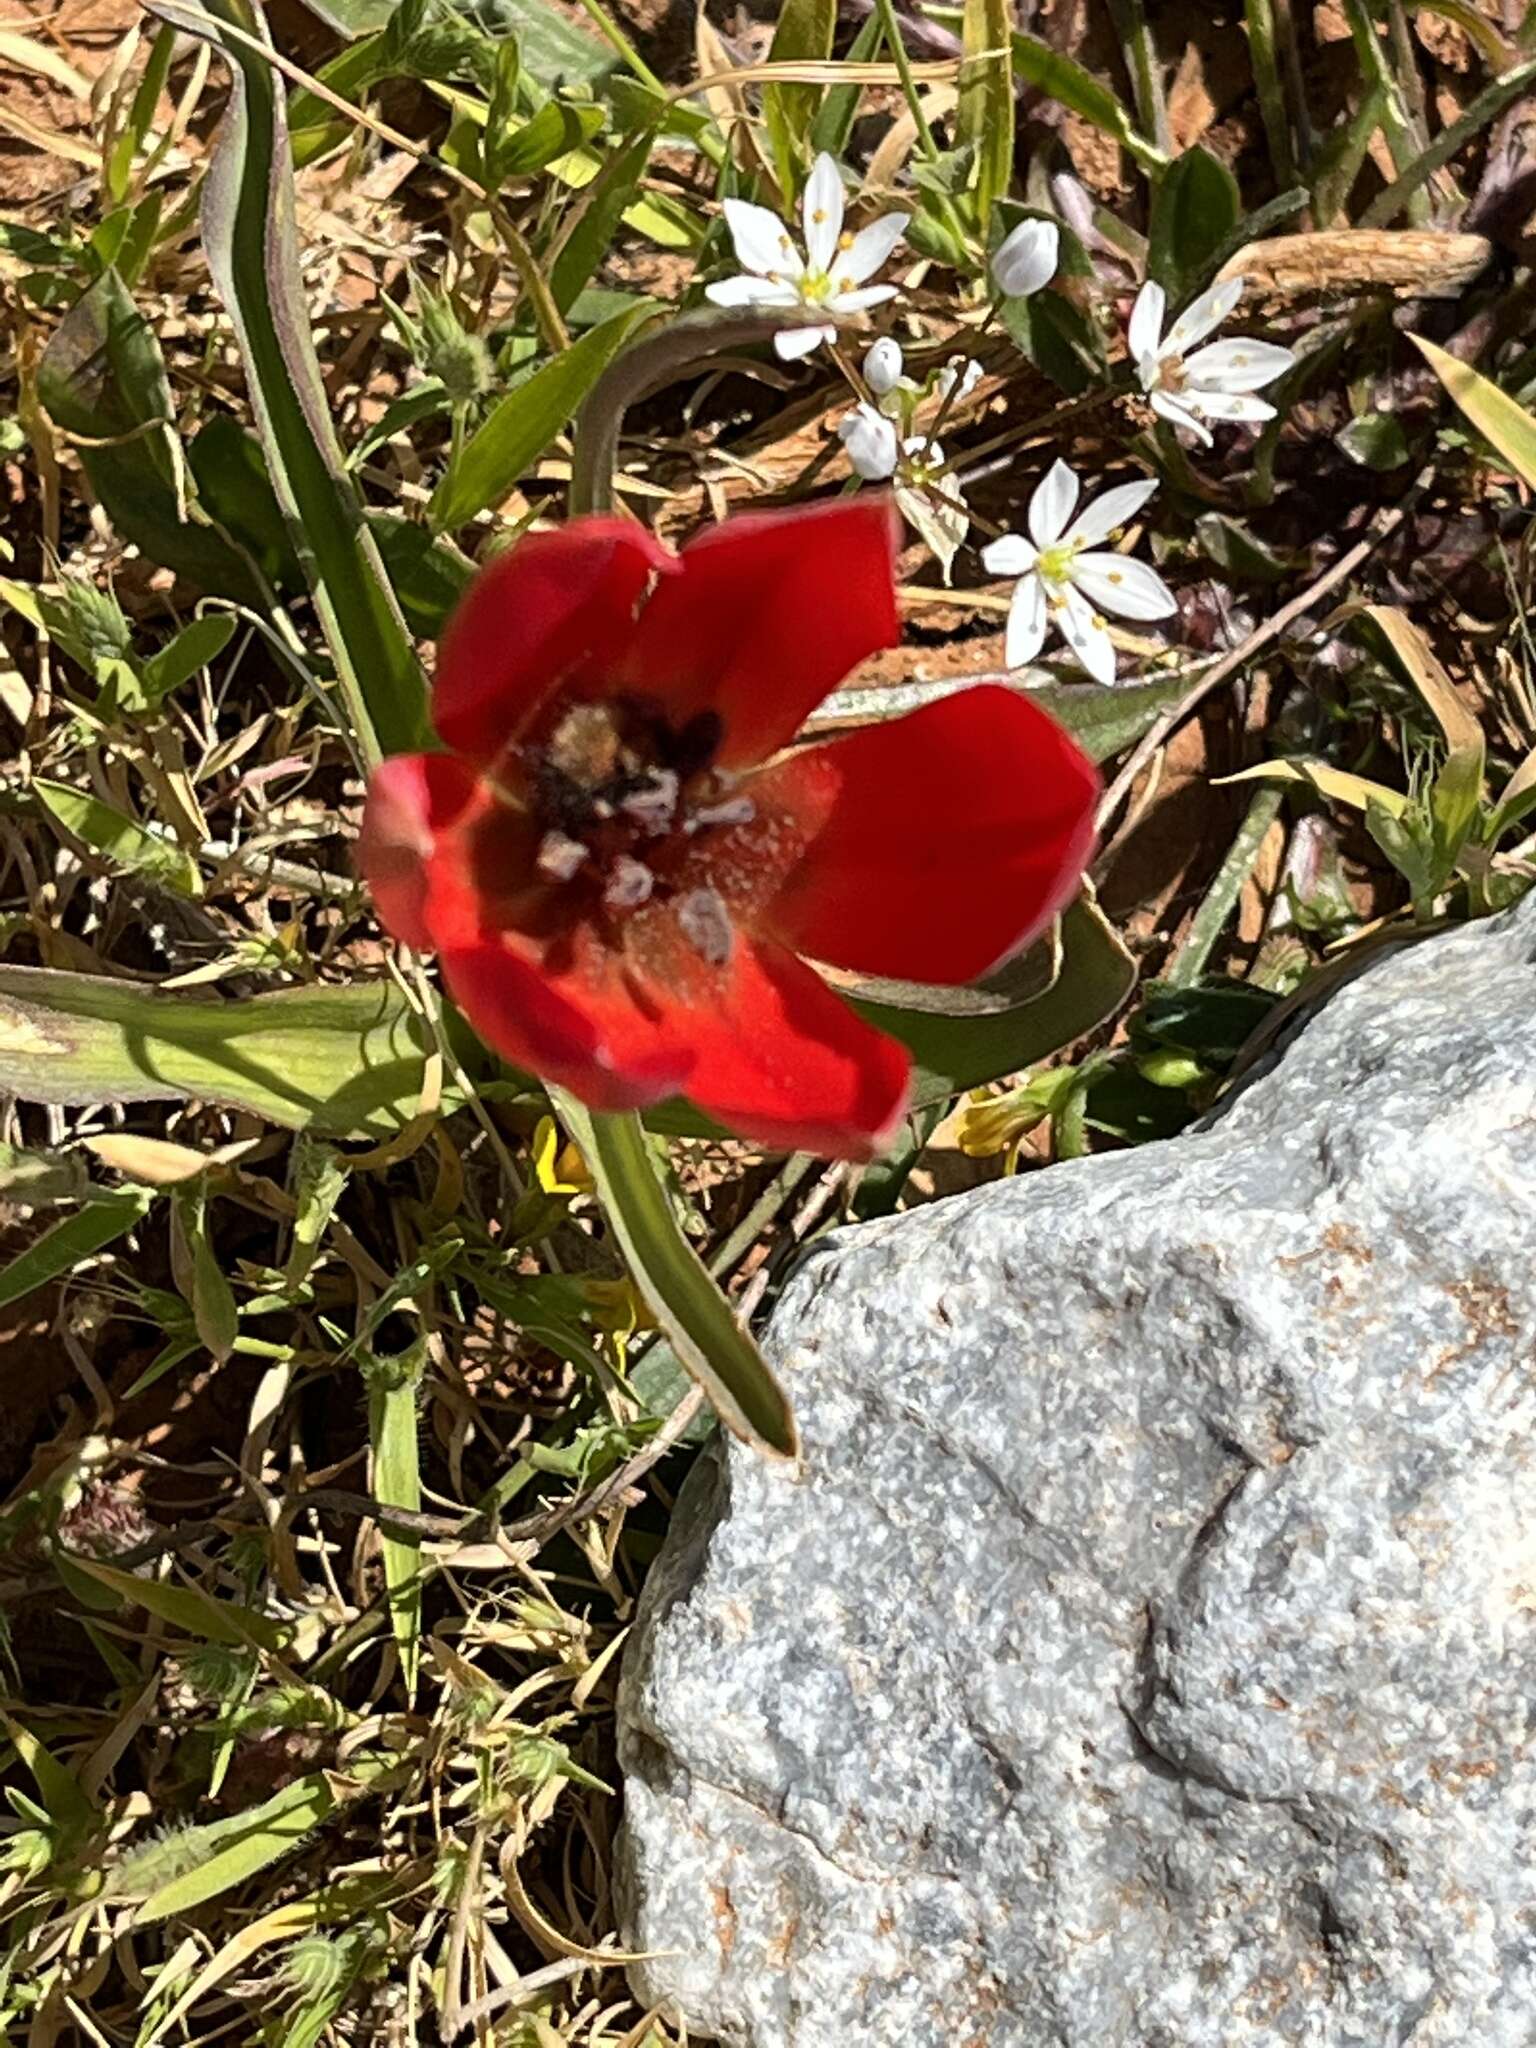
(1145, 1654)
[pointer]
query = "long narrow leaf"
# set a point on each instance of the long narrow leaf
(347, 1061)
(685, 1301)
(1499, 418)
(251, 236)
(984, 118)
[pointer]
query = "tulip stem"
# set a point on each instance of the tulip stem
(695, 1317)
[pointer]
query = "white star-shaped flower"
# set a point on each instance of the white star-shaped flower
(831, 277)
(1215, 383)
(1061, 579)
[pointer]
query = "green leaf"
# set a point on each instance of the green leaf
(1065, 81)
(984, 118)
(204, 1285)
(1231, 546)
(59, 1250)
(185, 1608)
(1506, 426)
(225, 1853)
(585, 242)
(343, 1060)
(519, 429)
(1196, 208)
(430, 575)
(1375, 440)
(121, 838)
(1104, 719)
(694, 1315)
(803, 34)
(555, 130)
(235, 487)
(393, 1384)
(67, 1807)
(102, 378)
(191, 651)
(251, 239)
(952, 1053)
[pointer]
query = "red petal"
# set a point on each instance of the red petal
(585, 1033)
(781, 1059)
(412, 800)
(946, 840)
(554, 606)
(771, 611)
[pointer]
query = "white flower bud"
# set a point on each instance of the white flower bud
(882, 366)
(1026, 261)
(870, 439)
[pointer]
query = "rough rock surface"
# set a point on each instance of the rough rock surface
(1145, 1655)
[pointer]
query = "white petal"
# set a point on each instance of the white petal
(800, 341)
(958, 379)
(822, 210)
(1146, 327)
(883, 365)
(1177, 415)
(870, 440)
(1086, 637)
(856, 302)
(1238, 365)
(1026, 260)
(1009, 555)
(1101, 515)
(869, 248)
(1026, 623)
(751, 291)
(1230, 405)
(1124, 586)
(1051, 506)
(763, 243)
(1202, 318)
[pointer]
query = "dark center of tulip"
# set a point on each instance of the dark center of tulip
(623, 800)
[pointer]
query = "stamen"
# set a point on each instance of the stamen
(629, 884)
(559, 856)
(735, 810)
(653, 806)
(706, 924)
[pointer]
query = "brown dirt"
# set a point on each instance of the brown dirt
(87, 33)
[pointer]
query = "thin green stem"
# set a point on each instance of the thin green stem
(926, 142)
(1264, 54)
(1130, 17)
(610, 31)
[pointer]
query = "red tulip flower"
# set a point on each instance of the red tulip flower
(622, 872)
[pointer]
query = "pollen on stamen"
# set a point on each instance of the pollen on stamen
(706, 924)
(735, 810)
(559, 856)
(653, 807)
(629, 884)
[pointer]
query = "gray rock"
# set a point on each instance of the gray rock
(1144, 1655)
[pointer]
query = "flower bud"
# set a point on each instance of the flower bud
(882, 366)
(452, 353)
(1026, 261)
(870, 439)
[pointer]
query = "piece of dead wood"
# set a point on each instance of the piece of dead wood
(1413, 262)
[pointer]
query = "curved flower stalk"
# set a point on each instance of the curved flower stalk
(1066, 582)
(833, 274)
(1214, 383)
(624, 876)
